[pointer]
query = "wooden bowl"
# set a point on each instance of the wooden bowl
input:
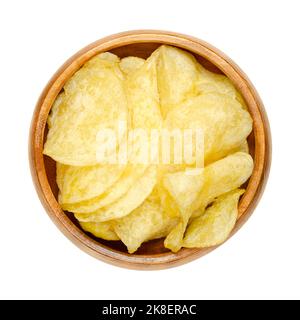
(151, 255)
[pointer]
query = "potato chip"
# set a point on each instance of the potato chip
(216, 224)
(83, 183)
(93, 99)
(108, 56)
(129, 65)
(209, 82)
(55, 109)
(142, 95)
(184, 186)
(243, 147)
(147, 222)
(103, 230)
(223, 176)
(216, 179)
(224, 124)
(180, 77)
(177, 73)
(167, 202)
(117, 190)
(136, 194)
(143, 101)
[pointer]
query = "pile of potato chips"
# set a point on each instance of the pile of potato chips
(135, 202)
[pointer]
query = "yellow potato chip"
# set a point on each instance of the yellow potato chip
(143, 102)
(209, 82)
(103, 230)
(217, 178)
(173, 241)
(93, 99)
(117, 190)
(55, 109)
(177, 73)
(147, 222)
(129, 65)
(167, 202)
(243, 147)
(223, 176)
(215, 225)
(224, 124)
(180, 77)
(136, 194)
(83, 183)
(108, 56)
(142, 95)
(184, 186)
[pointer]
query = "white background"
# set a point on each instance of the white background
(261, 261)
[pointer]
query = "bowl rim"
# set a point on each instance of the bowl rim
(262, 137)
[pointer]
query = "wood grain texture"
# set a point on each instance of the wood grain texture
(142, 43)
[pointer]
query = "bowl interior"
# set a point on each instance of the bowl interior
(154, 247)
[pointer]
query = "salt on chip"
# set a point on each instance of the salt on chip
(146, 222)
(216, 224)
(224, 124)
(83, 183)
(103, 230)
(93, 99)
(136, 194)
(130, 64)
